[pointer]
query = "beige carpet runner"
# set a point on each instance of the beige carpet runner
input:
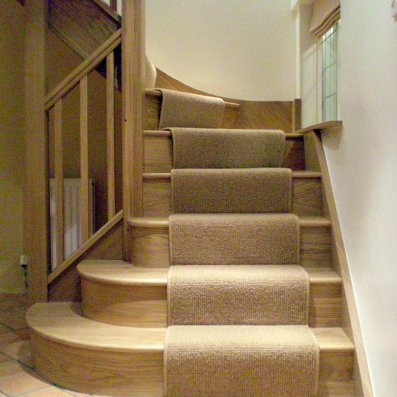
(233, 295)
(241, 361)
(234, 239)
(190, 110)
(231, 190)
(237, 301)
(212, 148)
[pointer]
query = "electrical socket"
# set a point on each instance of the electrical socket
(23, 261)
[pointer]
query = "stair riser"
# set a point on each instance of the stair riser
(141, 374)
(146, 306)
(306, 197)
(158, 154)
(148, 247)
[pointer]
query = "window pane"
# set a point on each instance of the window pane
(329, 74)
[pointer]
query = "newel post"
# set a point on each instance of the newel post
(36, 217)
(133, 69)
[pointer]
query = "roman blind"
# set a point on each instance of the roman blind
(325, 14)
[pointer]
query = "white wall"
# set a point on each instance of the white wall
(308, 66)
(363, 167)
(234, 48)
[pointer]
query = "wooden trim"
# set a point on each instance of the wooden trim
(82, 70)
(327, 125)
(58, 159)
(36, 200)
(110, 10)
(133, 66)
(296, 115)
(110, 135)
(85, 247)
(352, 324)
(84, 193)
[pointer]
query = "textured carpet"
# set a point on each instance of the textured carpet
(209, 148)
(235, 295)
(231, 190)
(180, 109)
(241, 361)
(234, 239)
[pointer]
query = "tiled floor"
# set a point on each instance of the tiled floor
(17, 376)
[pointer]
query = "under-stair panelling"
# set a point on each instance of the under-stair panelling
(149, 246)
(158, 150)
(116, 292)
(306, 194)
(91, 357)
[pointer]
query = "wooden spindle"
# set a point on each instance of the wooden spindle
(110, 134)
(84, 194)
(58, 155)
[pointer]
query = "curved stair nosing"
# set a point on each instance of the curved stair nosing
(295, 175)
(91, 357)
(121, 294)
(161, 222)
(153, 92)
(167, 134)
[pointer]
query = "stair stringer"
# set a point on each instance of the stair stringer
(315, 160)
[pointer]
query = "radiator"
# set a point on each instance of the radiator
(72, 219)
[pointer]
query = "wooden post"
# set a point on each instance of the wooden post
(36, 203)
(110, 134)
(84, 193)
(59, 215)
(133, 61)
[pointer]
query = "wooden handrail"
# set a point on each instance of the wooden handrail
(82, 70)
(85, 246)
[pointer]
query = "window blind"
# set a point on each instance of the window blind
(325, 14)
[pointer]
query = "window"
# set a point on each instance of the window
(329, 74)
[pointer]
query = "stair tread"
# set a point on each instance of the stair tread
(124, 273)
(157, 93)
(165, 133)
(295, 174)
(304, 221)
(63, 323)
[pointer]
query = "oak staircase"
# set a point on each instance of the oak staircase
(111, 339)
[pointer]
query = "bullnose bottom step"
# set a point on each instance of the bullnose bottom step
(84, 355)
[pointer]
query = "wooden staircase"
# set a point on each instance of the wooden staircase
(111, 342)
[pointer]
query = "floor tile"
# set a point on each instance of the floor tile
(10, 367)
(76, 393)
(48, 392)
(20, 351)
(21, 382)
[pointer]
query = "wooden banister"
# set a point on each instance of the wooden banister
(82, 70)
